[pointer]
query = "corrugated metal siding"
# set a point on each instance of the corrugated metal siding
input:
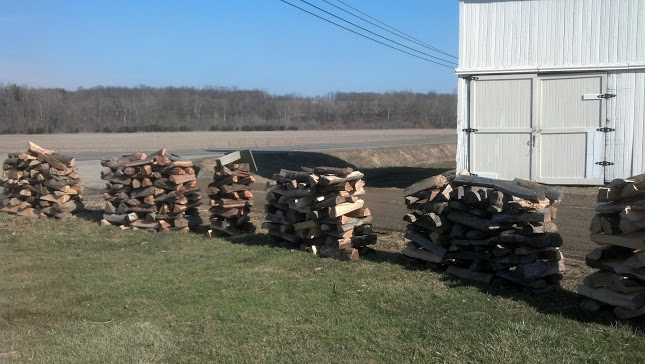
(525, 34)
(626, 146)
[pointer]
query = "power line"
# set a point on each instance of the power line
(364, 36)
(378, 35)
(406, 36)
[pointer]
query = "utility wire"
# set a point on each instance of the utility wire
(365, 36)
(378, 35)
(404, 36)
(396, 30)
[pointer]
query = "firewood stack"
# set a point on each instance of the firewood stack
(485, 229)
(40, 182)
(320, 210)
(231, 199)
(157, 192)
(619, 228)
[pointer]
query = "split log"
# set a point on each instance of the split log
(433, 182)
(632, 301)
(505, 186)
(413, 251)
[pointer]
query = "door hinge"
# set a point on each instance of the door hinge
(605, 163)
(606, 129)
(469, 130)
(471, 78)
(606, 96)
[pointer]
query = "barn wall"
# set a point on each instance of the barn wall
(543, 35)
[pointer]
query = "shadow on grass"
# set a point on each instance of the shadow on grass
(560, 302)
(400, 177)
(91, 215)
(256, 239)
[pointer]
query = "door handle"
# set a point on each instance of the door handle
(531, 142)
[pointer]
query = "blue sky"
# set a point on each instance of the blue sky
(250, 44)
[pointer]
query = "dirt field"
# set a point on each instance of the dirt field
(204, 140)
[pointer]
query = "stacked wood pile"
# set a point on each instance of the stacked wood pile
(40, 182)
(619, 228)
(156, 192)
(320, 210)
(486, 229)
(231, 198)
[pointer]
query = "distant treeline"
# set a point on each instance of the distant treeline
(120, 109)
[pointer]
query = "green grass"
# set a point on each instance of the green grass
(74, 292)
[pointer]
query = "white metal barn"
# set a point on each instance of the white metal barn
(552, 90)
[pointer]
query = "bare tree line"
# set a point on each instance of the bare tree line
(120, 109)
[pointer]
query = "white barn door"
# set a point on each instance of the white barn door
(501, 125)
(543, 128)
(567, 140)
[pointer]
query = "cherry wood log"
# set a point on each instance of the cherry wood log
(617, 266)
(514, 216)
(34, 148)
(433, 182)
(179, 179)
(548, 227)
(355, 222)
(307, 224)
(226, 212)
(618, 207)
(632, 301)
(426, 243)
(554, 194)
(70, 206)
(526, 273)
(328, 202)
(345, 208)
(508, 187)
(333, 170)
(636, 261)
(327, 180)
(362, 212)
(290, 193)
(295, 175)
(635, 240)
(473, 221)
(413, 251)
(120, 218)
